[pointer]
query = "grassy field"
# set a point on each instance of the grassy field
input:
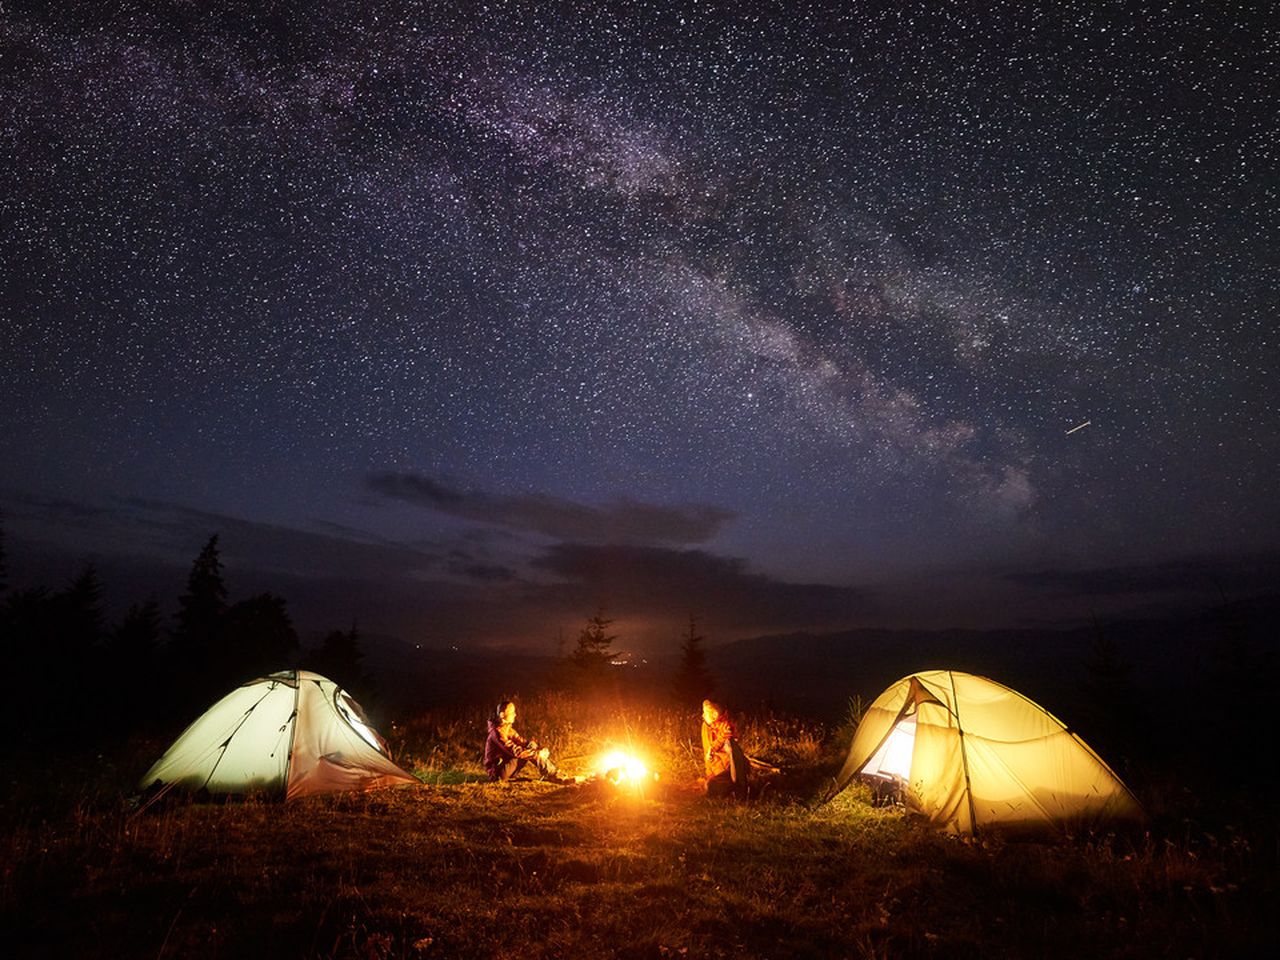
(463, 868)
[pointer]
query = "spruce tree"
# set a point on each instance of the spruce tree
(593, 650)
(258, 638)
(133, 643)
(74, 652)
(132, 651)
(200, 621)
(338, 658)
(79, 611)
(694, 682)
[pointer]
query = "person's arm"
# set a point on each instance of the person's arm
(520, 747)
(720, 733)
(497, 745)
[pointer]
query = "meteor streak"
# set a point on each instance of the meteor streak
(1080, 427)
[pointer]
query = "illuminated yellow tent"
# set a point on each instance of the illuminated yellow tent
(290, 734)
(970, 753)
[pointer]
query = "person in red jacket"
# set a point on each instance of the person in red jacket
(506, 752)
(724, 762)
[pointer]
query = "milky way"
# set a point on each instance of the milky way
(819, 291)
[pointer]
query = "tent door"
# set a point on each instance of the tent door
(893, 760)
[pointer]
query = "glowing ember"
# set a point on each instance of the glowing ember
(622, 768)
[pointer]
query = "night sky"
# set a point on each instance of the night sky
(464, 320)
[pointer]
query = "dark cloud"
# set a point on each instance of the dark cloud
(1226, 575)
(670, 584)
(484, 572)
(623, 521)
(277, 548)
(52, 510)
(174, 533)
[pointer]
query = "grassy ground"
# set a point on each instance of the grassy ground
(463, 868)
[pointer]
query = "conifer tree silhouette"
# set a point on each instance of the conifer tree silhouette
(339, 658)
(69, 642)
(694, 682)
(132, 653)
(258, 638)
(201, 619)
(79, 612)
(591, 655)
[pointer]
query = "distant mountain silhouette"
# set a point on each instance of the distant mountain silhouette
(816, 674)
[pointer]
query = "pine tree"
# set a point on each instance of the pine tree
(258, 638)
(339, 659)
(135, 640)
(79, 612)
(594, 642)
(694, 682)
(132, 651)
(74, 651)
(201, 618)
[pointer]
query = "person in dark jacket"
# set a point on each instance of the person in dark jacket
(506, 752)
(725, 765)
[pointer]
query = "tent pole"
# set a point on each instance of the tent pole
(964, 754)
(222, 748)
(293, 733)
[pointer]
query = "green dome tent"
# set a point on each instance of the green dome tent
(970, 753)
(290, 734)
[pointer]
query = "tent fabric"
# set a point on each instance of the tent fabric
(982, 755)
(290, 734)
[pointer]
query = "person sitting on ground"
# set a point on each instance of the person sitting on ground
(725, 764)
(506, 752)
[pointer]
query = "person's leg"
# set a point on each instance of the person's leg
(548, 769)
(508, 769)
(719, 786)
(739, 769)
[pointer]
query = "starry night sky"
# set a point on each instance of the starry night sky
(463, 320)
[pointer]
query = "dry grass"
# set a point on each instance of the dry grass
(470, 869)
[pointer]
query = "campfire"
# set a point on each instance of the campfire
(623, 769)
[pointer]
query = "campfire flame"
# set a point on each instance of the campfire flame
(622, 768)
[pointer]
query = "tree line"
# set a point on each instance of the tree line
(77, 679)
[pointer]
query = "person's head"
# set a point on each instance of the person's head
(711, 711)
(506, 712)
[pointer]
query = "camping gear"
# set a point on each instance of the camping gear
(970, 753)
(290, 734)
